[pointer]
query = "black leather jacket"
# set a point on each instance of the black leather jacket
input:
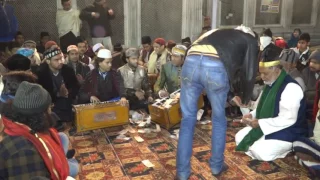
(239, 53)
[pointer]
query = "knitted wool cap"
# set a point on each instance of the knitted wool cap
(160, 41)
(289, 55)
(49, 44)
(315, 55)
(31, 99)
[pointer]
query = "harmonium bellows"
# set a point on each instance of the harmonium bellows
(168, 117)
(100, 115)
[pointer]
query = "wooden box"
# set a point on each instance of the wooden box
(167, 118)
(102, 115)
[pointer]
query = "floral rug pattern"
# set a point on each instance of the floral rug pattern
(104, 157)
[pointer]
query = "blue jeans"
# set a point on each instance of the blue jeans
(202, 73)
(73, 163)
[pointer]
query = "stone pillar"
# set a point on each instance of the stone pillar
(214, 19)
(132, 23)
(192, 19)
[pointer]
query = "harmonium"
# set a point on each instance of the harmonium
(100, 115)
(167, 116)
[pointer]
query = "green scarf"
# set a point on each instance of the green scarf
(265, 109)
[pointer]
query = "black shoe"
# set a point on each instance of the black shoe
(70, 154)
(224, 168)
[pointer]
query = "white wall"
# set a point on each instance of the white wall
(285, 27)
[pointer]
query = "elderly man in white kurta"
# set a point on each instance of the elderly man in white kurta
(279, 119)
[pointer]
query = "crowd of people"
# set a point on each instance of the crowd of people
(274, 82)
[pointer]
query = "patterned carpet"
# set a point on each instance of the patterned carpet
(102, 156)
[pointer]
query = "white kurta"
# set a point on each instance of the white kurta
(271, 149)
(68, 21)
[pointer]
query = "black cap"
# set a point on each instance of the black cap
(117, 47)
(146, 40)
(186, 40)
(270, 54)
(18, 62)
(266, 32)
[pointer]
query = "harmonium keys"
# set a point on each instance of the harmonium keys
(100, 115)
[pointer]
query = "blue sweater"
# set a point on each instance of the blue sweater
(8, 24)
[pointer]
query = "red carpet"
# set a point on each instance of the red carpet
(102, 156)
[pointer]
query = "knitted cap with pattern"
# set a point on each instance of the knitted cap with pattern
(289, 55)
(31, 99)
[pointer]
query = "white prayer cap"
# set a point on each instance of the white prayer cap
(104, 53)
(245, 30)
(96, 47)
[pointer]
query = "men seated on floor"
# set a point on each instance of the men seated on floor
(29, 53)
(80, 68)
(288, 60)
(32, 45)
(145, 51)
(158, 57)
(311, 75)
(82, 46)
(17, 62)
(136, 82)
(103, 83)
(61, 82)
(30, 146)
(303, 50)
(170, 75)
(279, 119)
(11, 81)
(266, 41)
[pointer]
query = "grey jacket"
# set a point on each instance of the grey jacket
(135, 80)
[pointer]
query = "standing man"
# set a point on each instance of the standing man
(68, 24)
(217, 58)
(98, 17)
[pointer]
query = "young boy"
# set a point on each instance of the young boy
(303, 50)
